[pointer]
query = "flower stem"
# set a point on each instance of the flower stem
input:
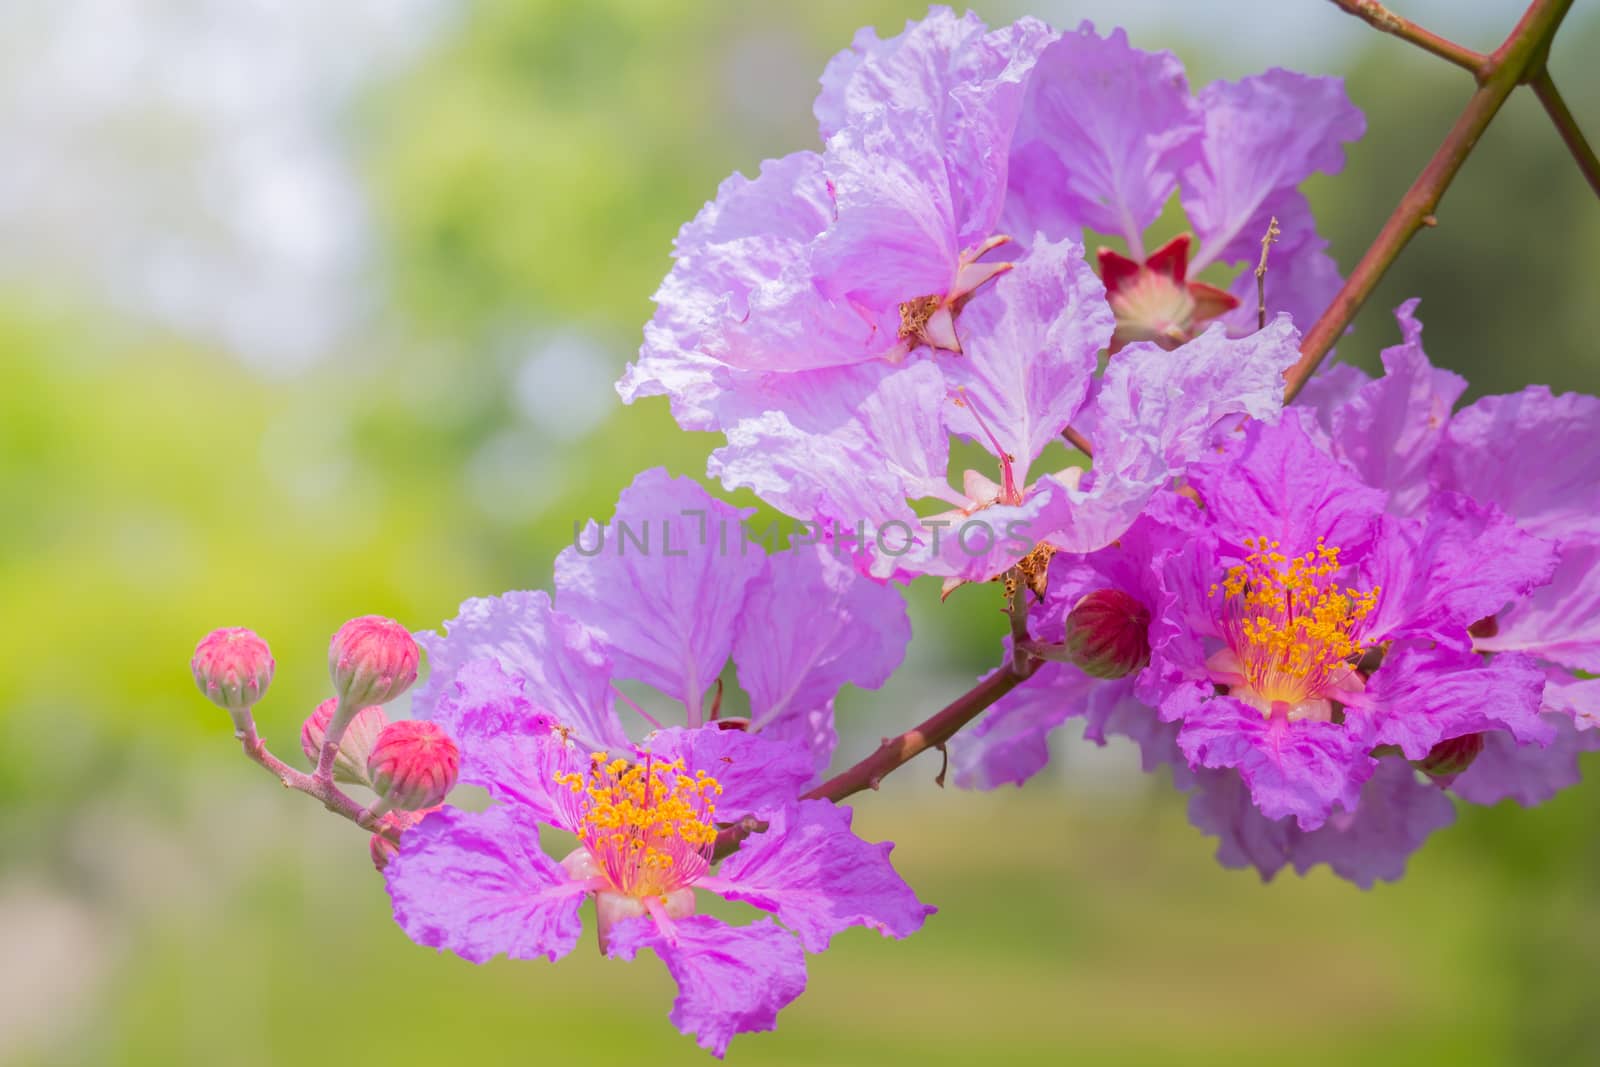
(1545, 89)
(1381, 18)
(332, 797)
(934, 732)
(1513, 62)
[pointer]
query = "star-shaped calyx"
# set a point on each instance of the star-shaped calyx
(1154, 300)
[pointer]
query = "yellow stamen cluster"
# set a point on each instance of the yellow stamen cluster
(1291, 625)
(649, 826)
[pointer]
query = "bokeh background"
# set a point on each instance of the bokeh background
(311, 309)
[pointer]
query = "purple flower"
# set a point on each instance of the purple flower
(664, 594)
(646, 818)
(1398, 433)
(840, 316)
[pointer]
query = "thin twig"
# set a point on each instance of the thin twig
(1381, 18)
(1504, 70)
(332, 797)
(935, 731)
(1545, 89)
(1267, 240)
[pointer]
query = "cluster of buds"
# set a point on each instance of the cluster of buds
(409, 765)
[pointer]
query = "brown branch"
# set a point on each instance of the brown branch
(1502, 72)
(896, 751)
(1381, 18)
(1267, 240)
(323, 789)
(1545, 89)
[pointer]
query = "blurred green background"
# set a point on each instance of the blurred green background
(312, 310)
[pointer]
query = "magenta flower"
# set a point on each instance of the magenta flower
(646, 819)
(663, 594)
(1397, 432)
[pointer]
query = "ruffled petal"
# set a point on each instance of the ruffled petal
(1397, 813)
(1030, 346)
(1391, 429)
(509, 745)
(478, 884)
(1010, 743)
(819, 878)
(810, 625)
(845, 446)
(731, 979)
(1264, 135)
(1275, 482)
(1304, 769)
(895, 237)
(1560, 621)
(1438, 577)
(1528, 774)
(1558, 500)
(1421, 696)
(1104, 131)
(554, 655)
(968, 82)
(663, 584)
(758, 774)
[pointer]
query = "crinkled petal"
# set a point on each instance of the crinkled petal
(1438, 577)
(731, 979)
(848, 445)
(740, 295)
(810, 625)
(967, 82)
(819, 878)
(554, 655)
(1397, 812)
(1275, 482)
(1421, 696)
(1304, 769)
(1391, 429)
(1487, 457)
(1528, 774)
(895, 237)
(1264, 135)
(1030, 348)
(509, 745)
(1560, 621)
(478, 884)
(1105, 129)
(1221, 806)
(663, 584)
(758, 774)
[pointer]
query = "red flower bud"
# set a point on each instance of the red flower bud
(233, 668)
(372, 660)
(413, 765)
(350, 765)
(1449, 758)
(1108, 634)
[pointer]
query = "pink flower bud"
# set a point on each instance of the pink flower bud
(350, 765)
(381, 848)
(413, 765)
(1449, 758)
(233, 667)
(1108, 634)
(372, 660)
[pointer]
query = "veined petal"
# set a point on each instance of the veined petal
(553, 654)
(819, 878)
(663, 584)
(478, 884)
(731, 979)
(1421, 696)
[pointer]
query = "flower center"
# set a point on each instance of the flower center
(1289, 624)
(648, 826)
(1155, 301)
